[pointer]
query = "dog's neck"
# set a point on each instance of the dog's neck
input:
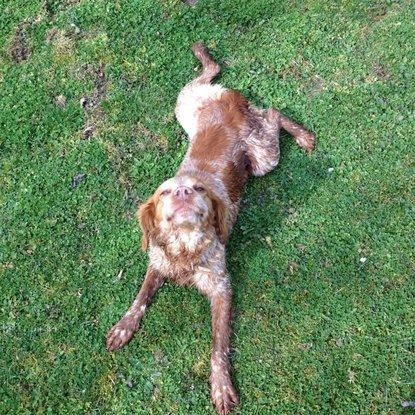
(183, 248)
(186, 241)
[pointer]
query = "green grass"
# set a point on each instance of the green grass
(317, 329)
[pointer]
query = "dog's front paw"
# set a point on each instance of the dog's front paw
(224, 396)
(121, 333)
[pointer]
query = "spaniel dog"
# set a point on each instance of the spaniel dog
(186, 222)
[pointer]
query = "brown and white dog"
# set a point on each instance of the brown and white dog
(187, 221)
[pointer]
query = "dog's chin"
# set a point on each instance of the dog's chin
(186, 218)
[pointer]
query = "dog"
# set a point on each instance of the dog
(187, 221)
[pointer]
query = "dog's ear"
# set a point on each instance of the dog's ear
(221, 218)
(146, 216)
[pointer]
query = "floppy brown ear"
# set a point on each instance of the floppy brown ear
(221, 219)
(146, 215)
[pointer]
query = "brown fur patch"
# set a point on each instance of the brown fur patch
(204, 165)
(236, 109)
(221, 218)
(146, 216)
(234, 177)
(230, 110)
(210, 143)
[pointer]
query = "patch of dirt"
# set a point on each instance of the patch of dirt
(62, 43)
(377, 11)
(149, 139)
(47, 8)
(295, 69)
(304, 346)
(51, 8)
(118, 157)
(380, 71)
(51, 35)
(302, 248)
(20, 48)
(293, 266)
(292, 71)
(316, 87)
(122, 144)
(92, 103)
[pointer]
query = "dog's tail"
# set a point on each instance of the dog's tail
(210, 67)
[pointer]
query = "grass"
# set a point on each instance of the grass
(322, 254)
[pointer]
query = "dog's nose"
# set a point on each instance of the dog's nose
(183, 192)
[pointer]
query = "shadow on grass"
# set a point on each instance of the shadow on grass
(268, 201)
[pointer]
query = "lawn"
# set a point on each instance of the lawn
(322, 255)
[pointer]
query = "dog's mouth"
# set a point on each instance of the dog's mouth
(186, 214)
(183, 210)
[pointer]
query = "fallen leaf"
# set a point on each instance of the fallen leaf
(301, 248)
(304, 346)
(60, 101)
(351, 376)
(77, 179)
(339, 342)
(293, 266)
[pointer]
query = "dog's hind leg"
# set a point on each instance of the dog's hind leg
(262, 141)
(262, 138)
(302, 136)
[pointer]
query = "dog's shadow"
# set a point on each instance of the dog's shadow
(270, 199)
(268, 203)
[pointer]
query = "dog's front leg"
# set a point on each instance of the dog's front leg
(123, 331)
(224, 396)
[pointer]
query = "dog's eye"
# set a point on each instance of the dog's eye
(198, 188)
(165, 192)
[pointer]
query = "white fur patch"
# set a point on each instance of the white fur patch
(189, 102)
(211, 283)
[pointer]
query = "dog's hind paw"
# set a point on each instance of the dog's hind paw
(306, 141)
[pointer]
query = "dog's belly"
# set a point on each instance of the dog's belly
(189, 102)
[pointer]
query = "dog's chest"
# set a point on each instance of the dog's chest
(200, 264)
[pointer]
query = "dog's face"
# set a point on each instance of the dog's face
(182, 203)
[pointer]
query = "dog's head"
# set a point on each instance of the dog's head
(182, 204)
